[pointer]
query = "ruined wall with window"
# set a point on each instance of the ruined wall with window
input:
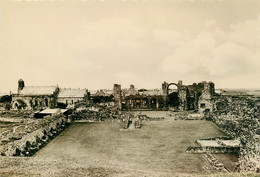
(197, 97)
(25, 140)
(33, 102)
(146, 102)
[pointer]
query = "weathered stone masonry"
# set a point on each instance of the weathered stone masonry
(42, 97)
(25, 140)
(197, 97)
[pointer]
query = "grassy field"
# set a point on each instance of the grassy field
(97, 149)
(157, 145)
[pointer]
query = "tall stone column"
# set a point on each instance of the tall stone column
(182, 94)
(165, 87)
(157, 103)
(149, 102)
(118, 96)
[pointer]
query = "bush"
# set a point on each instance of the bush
(62, 105)
(22, 104)
(6, 99)
(8, 106)
(102, 99)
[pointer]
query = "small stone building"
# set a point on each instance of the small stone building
(70, 96)
(42, 97)
(34, 97)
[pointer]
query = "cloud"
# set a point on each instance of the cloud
(246, 33)
(188, 57)
(210, 24)
(233, 59)
(170, 36)
(216, 54)
(127, 78)
(111, 33)
(98, 46)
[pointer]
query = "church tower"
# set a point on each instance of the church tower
(20, 85)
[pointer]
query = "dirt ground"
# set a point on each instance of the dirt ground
(104, 149)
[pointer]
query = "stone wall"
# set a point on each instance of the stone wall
(33, 102)
(70, 100)
(25, 140)
(118, 96)
(206, 104)
(239, 117)
(187, 98)
(210, 149)
(182, 95)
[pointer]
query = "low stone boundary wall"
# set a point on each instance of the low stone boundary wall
(147, 118)
(25, 140)
(214, 150)
(215, 163)
(198, 116)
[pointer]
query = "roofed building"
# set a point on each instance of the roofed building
(50, 112)
(70, 96)
(34, 97)
(103, 92)
(42, 97)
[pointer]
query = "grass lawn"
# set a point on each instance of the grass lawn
(158, 146)
(105, 149)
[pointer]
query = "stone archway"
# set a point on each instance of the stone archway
(16, 105)
(170, 85)
(46, 102)
(173, 97)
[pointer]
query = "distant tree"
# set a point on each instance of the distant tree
(8, 106)
(62, 105)
(6, 99)
(22, 104)
(102, 99)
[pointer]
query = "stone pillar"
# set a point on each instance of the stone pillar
(118, 95)
(157, 103)
(182, 94)
(165, 87)
(180, 83)
(134, 104)
(149, 102)
(142, 103)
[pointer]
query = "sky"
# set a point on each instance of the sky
(94, 44)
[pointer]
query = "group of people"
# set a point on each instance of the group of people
(130, 119)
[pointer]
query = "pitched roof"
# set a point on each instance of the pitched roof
(38, 90)
(52, 111)
(108, 92)
(67, 92)
(104, 92)
(92, 92)
(152, 92)
(130, 91)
